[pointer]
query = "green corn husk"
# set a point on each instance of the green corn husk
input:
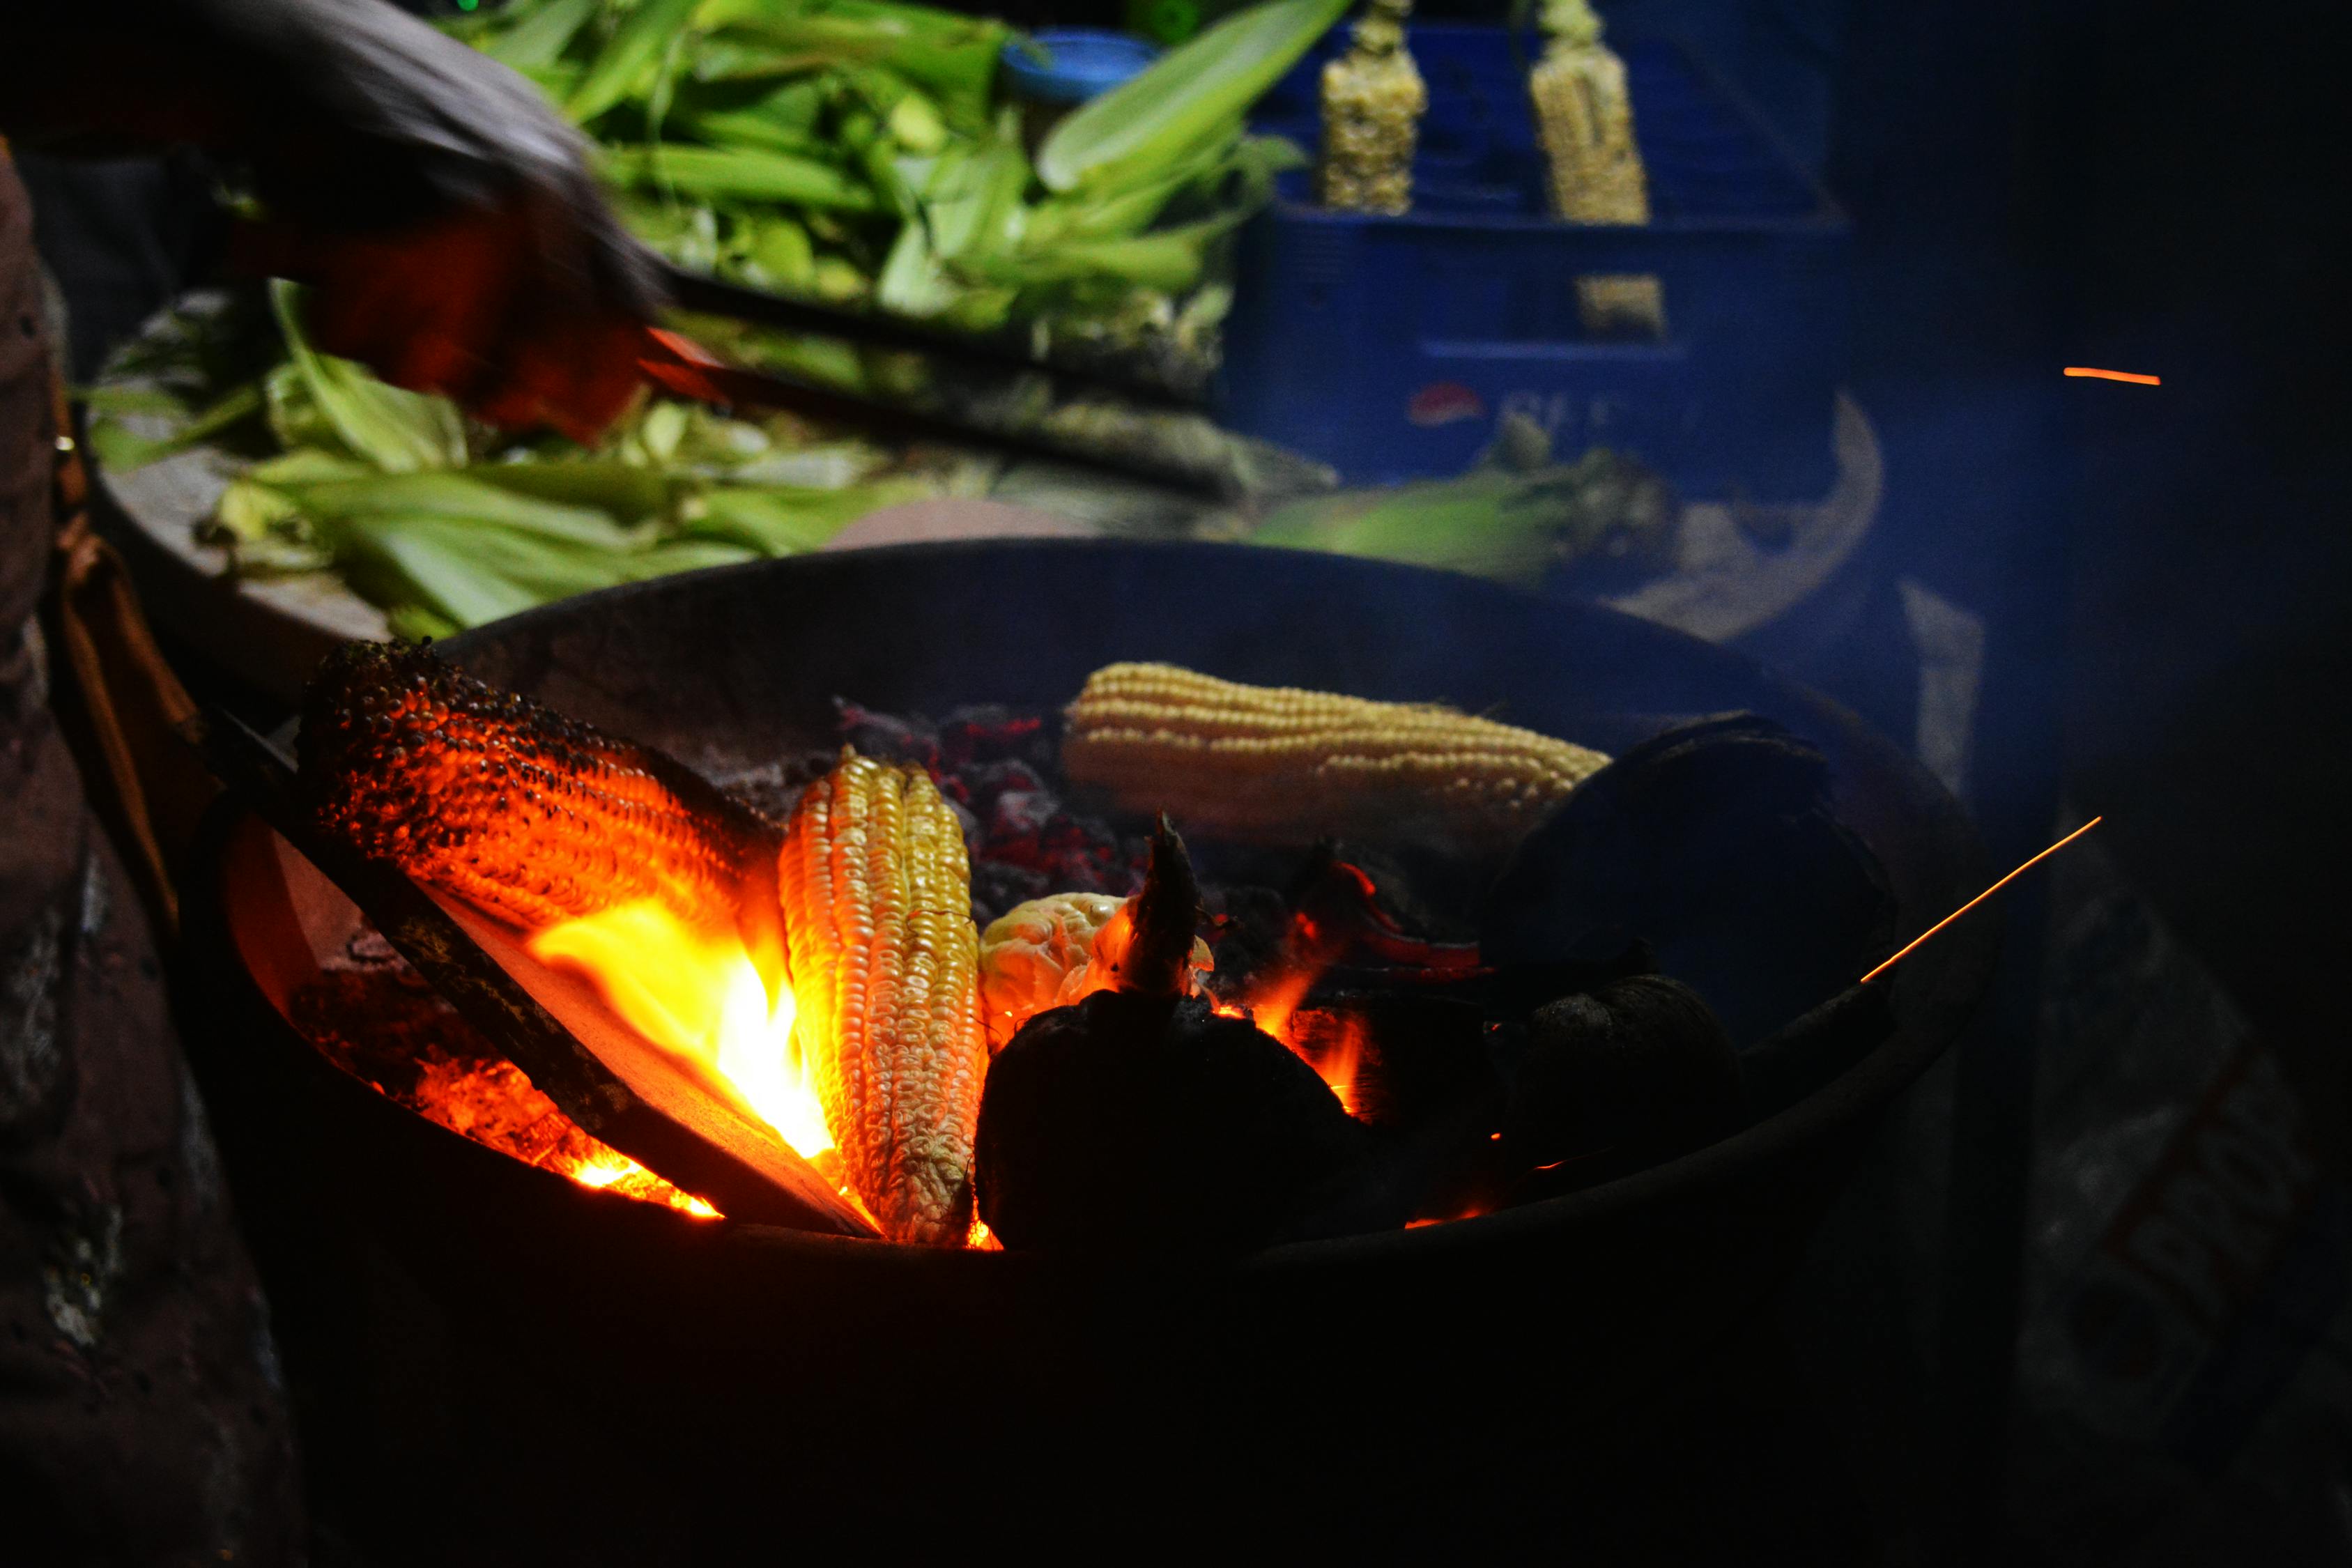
(739, 173)
(121, 450)
(790, 522)
(399, 432)
(953, 58)
(629, 59)
(1601, 516)
(538, 40)
(1208, 81)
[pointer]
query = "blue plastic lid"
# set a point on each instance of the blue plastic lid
(1081, 63)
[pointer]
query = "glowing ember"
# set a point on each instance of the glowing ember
(1910, 947)
(697, 994)
(2134, 376)
(384, 1024)
(492, 1102)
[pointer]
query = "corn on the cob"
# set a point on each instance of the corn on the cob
(885, 966)
(487, 795)
(1585, 118)
(1274, 762)
(1372, 103)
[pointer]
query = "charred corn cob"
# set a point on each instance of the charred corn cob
(1273, 763)
(876, 895)
(1372, 103)
(518, 810)
(1584, 117)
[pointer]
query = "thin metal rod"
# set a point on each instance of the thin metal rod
(1981, 897)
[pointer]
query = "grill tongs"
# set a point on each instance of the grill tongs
(977, 370)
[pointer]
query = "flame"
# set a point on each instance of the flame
(1337, 1056)
(697, 994)
(491, 1103)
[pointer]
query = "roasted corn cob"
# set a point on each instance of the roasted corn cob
(1372, 103)
(515, 809)
(1584, 116)
(1273, 763)
(876, 895)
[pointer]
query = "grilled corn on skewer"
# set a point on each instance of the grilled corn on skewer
(1279, 763)
(876, 892)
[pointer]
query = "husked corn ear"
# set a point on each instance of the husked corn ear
(877, 894)
(517, 809)
(1275, 763)
(1372, 103)
(1584, 117)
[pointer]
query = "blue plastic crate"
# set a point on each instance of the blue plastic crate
(1390, 346)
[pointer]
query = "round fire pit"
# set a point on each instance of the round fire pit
(577, 1377)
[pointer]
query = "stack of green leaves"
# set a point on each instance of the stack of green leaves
(855, 151)
(445, 525)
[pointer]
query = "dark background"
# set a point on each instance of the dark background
(2033, 184)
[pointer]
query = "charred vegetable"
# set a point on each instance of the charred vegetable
(1034, 952)
(1139, 1118)
(885, 964)
(1615, 1080)
(1052, 952)
(530, 816)
(1718, 844)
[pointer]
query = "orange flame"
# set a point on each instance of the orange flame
(697, 994)
(494, 1104)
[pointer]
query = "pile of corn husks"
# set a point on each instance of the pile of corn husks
(860, 152)
(444, 524)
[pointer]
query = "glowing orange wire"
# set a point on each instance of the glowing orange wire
(2131, 376)
(1981, 897)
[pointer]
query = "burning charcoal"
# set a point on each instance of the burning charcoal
(1716, 843)
(376, 1018)
(1248, 928)
(1407, 1058)
(1365, 918)
(910, 739)
(1021, 813)
(988, 734)
(773, 790)
(987, 782)
(998, 888)
(1140, 1117)
(1617, 1080)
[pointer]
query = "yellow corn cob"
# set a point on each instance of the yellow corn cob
(517, 809)
(885, 966)
(1585, 118)
(1372, 102)
(1274, 762)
